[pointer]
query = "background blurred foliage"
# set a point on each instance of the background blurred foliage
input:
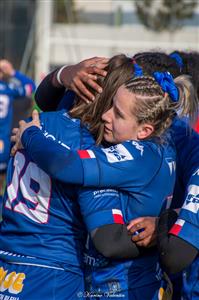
(164, 14)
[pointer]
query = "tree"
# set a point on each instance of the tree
(160, 15)
(64, 11)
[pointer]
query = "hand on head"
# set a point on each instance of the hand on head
(6, 68)
(83, 75)
(17, 132)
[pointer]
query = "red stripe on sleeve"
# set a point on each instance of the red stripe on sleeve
(118, 219)
(83, 154)
(175, 229)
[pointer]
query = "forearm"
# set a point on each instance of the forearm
(113, 241)
(57, 161)
(175, 253)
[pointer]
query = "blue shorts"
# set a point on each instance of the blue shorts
(26, 282)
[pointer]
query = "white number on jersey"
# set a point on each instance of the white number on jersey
(21, 190)
(4, 104)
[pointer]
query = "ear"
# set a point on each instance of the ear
(144, 131)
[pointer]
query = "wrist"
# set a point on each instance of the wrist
(58, 75)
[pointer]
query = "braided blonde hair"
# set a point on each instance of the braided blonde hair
(153, 105)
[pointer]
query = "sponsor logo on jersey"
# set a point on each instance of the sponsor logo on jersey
(52, 137)
(1, 146)
(117, 216)
(105, 193)
(177, 227)
(192, 200)
(11, 282)
(172, 165)
(117, 153)
(86, 154)
(138, 147)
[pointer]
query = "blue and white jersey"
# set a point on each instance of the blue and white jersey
(148, 193)
(18, 86)
(187, 147)
(187, 228)
(41, 217)
(115, 166)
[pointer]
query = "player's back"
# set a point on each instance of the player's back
(41, 216)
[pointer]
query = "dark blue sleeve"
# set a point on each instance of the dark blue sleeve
(187, 145)
(67, 101)
(122, 165)
(64, 165)
(51, 98)
(100, 207)
(188, 220)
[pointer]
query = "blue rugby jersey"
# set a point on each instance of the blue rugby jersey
(146, 176)
(146, 196)
(187, 228)
(185, 139)
(18, 86)
(41, 217)
(102, 167)
(187, 147)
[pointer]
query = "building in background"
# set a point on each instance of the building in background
(16, 21)
(67, 31)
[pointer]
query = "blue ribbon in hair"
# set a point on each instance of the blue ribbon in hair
(178, 59)
(137, 69)
(165, 80)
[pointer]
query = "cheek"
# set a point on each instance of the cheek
(119, 128)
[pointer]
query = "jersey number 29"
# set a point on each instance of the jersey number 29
(29, 191)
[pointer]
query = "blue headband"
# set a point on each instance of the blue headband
(178, 59)
(165, 80)
(137, 69)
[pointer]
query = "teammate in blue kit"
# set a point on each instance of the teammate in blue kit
(187, 141)
(179, 243)
(42, 233)
(187, 145)
(112, 156)
(13, 85)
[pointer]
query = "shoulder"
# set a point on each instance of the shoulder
(133, 151)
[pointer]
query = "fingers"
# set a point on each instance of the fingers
(15, 138)
(22, 123)
(147, 242)
(83, 76)
(139, 236)
(14, 150)
(96, 70)
(15, 130)
(81, 90)
(136, 223)
(81, 95)
(35, 115)
(94, 85)
(95, 60)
